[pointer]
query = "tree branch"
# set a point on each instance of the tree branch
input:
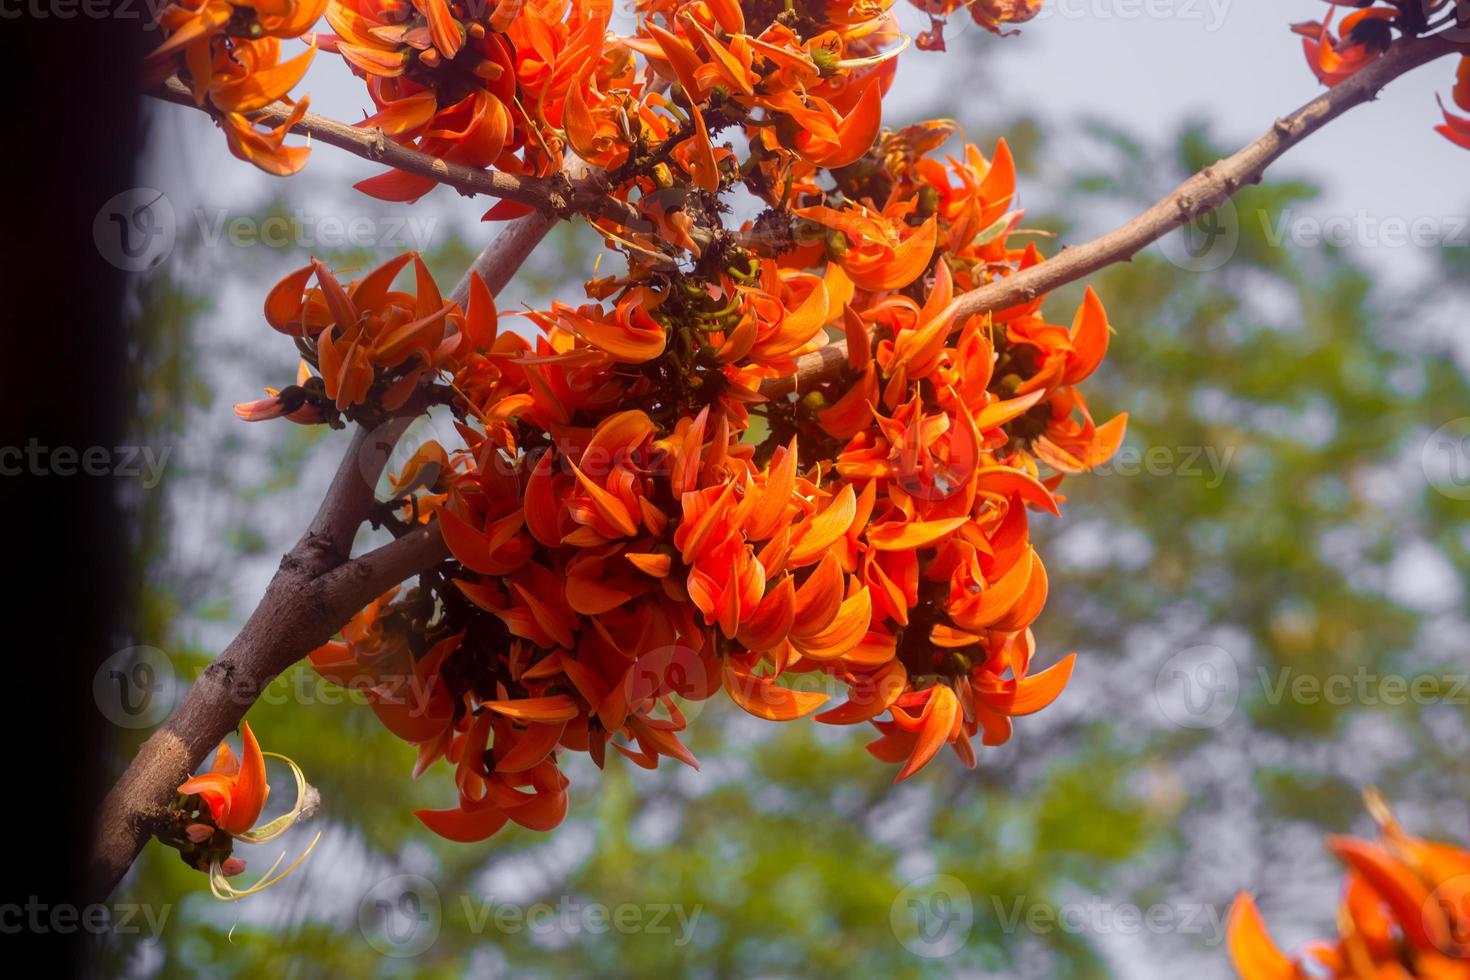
(503, 257)
(556, 194)
(498, 263)
(1200, 194)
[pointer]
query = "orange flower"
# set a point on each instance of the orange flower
(453, 80)
(234, 789)
(373, 345)
(632, 524)
(1368, 32)
(989, 14)
(1364, 36)
(1403, 913)
(1457, 128)
(229, 54)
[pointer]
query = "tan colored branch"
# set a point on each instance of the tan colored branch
(557, 194)
(1197, 196)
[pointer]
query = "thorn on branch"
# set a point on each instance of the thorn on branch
(560, 194)
(378, 147)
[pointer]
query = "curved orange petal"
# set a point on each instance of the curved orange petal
(464, 826)
(814, 536)
(1089, 339)
(535, 744)
(846, 630)
(940, 714)
(259, 89)
(899, 536)
(1255, 956)
(899, 266)
(251, 789)
(765, 699)
(869, 695)
(1032, 693)
(557, 707)
(855, 134)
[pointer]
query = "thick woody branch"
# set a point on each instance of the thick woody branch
(503, 258)
(580, 191)
(1200, 194)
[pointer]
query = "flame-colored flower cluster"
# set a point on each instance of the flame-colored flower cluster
(365, 343)
(1367, 33)
(1405, 912)
(229, 54)
(635, 522)
(514, 84)
(481, 84)
(634, 526)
